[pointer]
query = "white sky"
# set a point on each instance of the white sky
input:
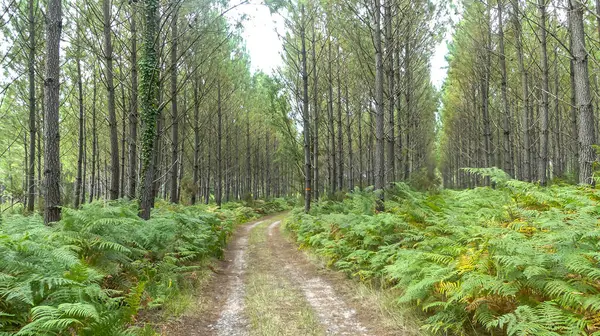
(265, 47)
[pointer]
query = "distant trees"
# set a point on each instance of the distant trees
(110, 131)
(368, 74)
(545, 124)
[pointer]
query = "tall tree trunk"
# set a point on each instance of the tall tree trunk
(219, 180)
(149, 104)
(32, 108)
(84, 176)
(506, 154)
(93, 184)
(315, 133)
(182, 150)
(110, 89)
(228, 151)
(305, 116)
(361, 170)
(574, 128)
(349, 134)
(248, 156)
(78, 180)
(175, 123)
(485, 88)
(583, 99)
(196, 142)
(389, 47)
(51, 128)
(379, 112)
(543, 164)
(133, 112)
(268, 164)
(332, 157)
(409, 106)
(558, 152)
(525, 92)
(340, 141)
(124, 117)
(40, 122)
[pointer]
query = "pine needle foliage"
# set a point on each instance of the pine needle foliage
(92, 273)
(519, 259)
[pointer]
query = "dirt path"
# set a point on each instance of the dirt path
(265, 286)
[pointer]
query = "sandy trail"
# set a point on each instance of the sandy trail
(222, 301)
(334, 313)
(232, 321)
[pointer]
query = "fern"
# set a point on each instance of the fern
(517, 260)
(92, 273)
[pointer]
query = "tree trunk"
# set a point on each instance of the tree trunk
(361, 171)
(133, 114)
(332, 156)
(485, 88)
(525, 92)
(175, 117)
(110, 89)
(583, 99)
(379, 117)
(305, 116)
(558, 152)
(219, 186)
(196, 142)
(248, 156)
(340, 142)
(349, 134)
(315, 133)
(543, 164)
(389, 47)
(124, 117)
(78, 180)
(93, 184)
(409, 107)
(51, 126)
(32, 108)
(507, 156)
(149, 104)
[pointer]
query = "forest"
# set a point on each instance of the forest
(154, 181)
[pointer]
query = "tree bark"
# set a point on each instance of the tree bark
(332, 156)
(219, 186)
(93, 184)
(149, 104)
(78, 180)
(583, 99)
(543, 164)
(110, 89)
(379, 117)
(305, 116)
(507, 155)
(52, 103)
(133, 114)
(340, 141)
(175, 117)
(389, 47)
(525, 92)
(349, 134)
(196, 142)
(32, 108)
(315, 133)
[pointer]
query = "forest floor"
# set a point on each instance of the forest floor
(266, 286)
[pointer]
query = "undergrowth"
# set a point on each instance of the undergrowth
(519, 259)
(95, 270)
